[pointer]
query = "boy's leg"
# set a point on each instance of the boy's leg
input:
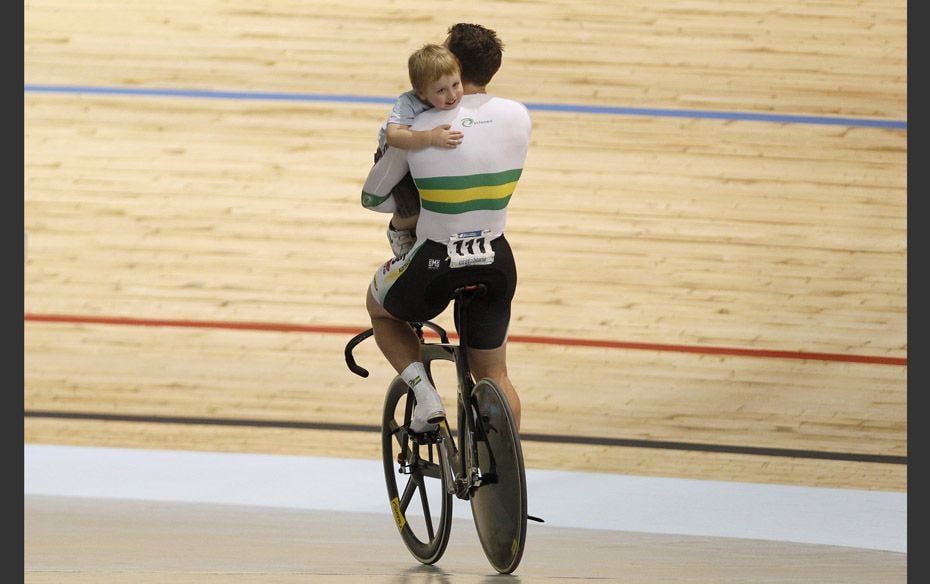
(406, 197)
(401, 231)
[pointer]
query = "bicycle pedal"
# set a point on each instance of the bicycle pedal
(428, 437)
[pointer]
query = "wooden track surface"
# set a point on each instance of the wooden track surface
(683, 232)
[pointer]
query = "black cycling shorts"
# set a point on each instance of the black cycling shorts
(423, 290)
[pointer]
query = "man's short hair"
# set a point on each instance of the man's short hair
(478, 50)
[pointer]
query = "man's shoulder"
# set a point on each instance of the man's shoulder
(473, 106)
(496, 103)
(511, 102)
(489, 100)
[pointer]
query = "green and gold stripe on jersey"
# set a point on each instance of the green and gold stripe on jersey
(459, 194)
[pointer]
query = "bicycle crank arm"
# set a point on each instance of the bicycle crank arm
(449, 458)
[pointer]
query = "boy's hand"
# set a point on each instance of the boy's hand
(444, 137)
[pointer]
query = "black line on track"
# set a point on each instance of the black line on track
(525, 437)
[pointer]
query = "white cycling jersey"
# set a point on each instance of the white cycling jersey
(465, 189)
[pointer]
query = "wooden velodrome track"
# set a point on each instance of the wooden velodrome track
(711, 229)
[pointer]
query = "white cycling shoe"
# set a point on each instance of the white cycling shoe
(428, 411)
(401, 240)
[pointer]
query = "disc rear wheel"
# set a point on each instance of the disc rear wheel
(499, 504)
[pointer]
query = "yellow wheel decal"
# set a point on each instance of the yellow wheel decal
(399, 518)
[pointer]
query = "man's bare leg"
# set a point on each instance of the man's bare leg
(396, 339)
(401, 346)
(493, 363)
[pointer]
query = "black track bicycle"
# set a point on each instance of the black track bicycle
(481, 461)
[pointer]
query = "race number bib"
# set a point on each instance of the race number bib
(472, 248)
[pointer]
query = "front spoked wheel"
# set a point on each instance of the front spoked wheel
(414, 470)
(498, 505)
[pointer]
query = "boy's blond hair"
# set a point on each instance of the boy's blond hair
(429, 63)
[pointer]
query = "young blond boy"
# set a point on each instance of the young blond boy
(436, 82)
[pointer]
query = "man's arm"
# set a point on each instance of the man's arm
(401, 136)
(387, 172)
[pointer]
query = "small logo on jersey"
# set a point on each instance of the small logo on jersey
(469, 122)
(433, 264)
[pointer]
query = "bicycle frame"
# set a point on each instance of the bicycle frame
(466, 474)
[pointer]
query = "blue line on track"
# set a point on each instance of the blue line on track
(547, 107)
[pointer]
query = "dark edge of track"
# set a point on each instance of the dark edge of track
(525, 437)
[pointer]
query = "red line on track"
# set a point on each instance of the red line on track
(347, 330)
